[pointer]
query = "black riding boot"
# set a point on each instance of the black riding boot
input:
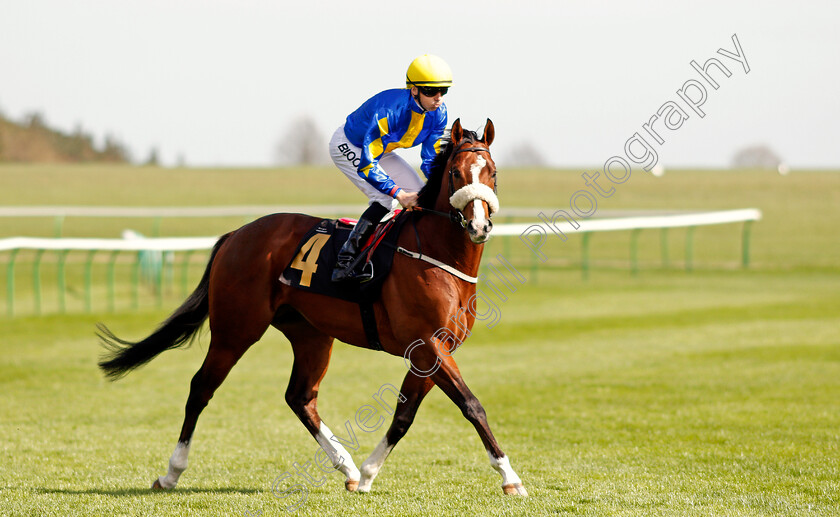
(363, 229)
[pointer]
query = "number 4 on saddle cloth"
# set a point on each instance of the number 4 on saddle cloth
(316, 255)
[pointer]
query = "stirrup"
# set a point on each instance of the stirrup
(366, 274)
(340, 274)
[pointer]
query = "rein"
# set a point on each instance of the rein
(419, 255)
(455, 215)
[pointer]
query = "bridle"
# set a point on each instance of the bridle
(456, 215)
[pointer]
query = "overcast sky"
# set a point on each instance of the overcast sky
(219, 82)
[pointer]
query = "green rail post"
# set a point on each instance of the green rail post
(36, 280)
(135, 280)
(111, 277)
(159, 279)
(169, 265)
(62, 281)
(89, 281)
(185, 269)
(584, 264)
(10, 283)
(506, 239)
(689, 248)
(156, 227)
(634, 251)
(745, 245)
(534, 269)
(663, 241)
(58, 226)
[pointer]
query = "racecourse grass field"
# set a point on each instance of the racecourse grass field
(714, 392)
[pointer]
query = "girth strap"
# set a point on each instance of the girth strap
(369, 324)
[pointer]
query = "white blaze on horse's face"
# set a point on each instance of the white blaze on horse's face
(475, 171)
(480, 225)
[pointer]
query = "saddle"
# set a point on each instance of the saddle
(317, 252)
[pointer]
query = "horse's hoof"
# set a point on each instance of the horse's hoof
(157, 486)
(351, 485)
(514, 489)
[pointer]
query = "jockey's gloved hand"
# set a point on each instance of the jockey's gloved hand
(407, 199)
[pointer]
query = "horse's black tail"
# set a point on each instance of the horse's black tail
(179, 329)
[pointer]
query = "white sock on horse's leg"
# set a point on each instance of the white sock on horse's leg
(339, 457)
(177, 465)
(511, 484)
(372, 465)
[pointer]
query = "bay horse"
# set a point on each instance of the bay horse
(242, 295)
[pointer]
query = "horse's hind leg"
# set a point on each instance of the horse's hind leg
(412, 392)
(312, 351)
(221, 357)
(236, 323)
(240, 310)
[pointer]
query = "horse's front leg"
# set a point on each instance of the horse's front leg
(447, 376)
(414, 388)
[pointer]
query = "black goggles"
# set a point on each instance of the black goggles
(431, 91)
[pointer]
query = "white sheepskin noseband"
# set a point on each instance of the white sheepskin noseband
(474, 191)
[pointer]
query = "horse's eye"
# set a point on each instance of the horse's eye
(456, 173)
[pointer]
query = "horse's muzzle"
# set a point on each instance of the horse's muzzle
(479, 231)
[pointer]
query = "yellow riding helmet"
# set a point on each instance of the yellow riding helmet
(428, 70)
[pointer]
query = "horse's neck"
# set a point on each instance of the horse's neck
(447, 242)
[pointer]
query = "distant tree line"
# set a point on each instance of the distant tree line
(32, 140)
(756, 157)
(302, 143)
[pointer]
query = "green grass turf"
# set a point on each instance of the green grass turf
(667, 393)
(654, 395)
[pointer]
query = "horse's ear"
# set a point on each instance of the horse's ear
(457, 132)
(489, 133)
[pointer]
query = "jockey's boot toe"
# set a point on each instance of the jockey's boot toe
(342, 271)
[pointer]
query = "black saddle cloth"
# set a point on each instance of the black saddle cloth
(316, 254)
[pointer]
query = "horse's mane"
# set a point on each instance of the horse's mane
(427, 197)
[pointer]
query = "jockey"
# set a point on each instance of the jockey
(361, 148)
